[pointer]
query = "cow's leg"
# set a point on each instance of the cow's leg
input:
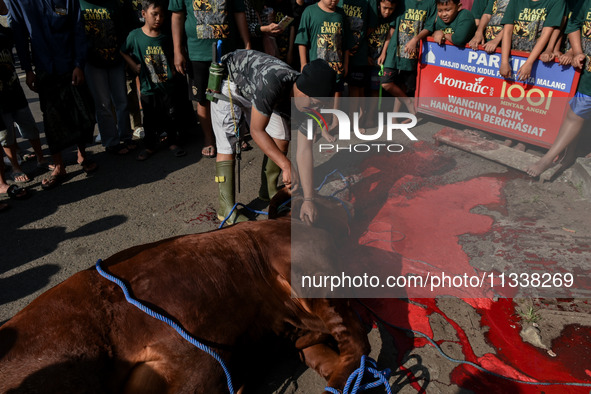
(349, 333)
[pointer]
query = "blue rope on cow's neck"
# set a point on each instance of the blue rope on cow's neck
(243, 206)
(357, 376)
(168, 321)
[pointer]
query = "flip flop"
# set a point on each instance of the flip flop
(45, 166)
(144, 155)
(52, 181)
(17, 193)
(208, 151)
(89, 166)
(178, 152)
(118, 149)
(130, 145)
(16, 175)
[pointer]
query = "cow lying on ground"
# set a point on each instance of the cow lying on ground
(228, 288)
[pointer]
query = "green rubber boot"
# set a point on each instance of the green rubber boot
(269, 177)
(224, 177)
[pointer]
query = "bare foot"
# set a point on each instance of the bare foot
(327, 136)
(538, 167)
(508, 142)
(520, 147)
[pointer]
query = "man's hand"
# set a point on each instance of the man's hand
(524, 72)
(547, 56)
(77, 76)
(411, 46)
(439, 37)
(505, 70)
(272, 29)
(308, 212)
(31, 80)
(477, 40)
(579, 60)
(286, 172)
(180, 63)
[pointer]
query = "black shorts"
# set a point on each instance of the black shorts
(357, 76)
(198, 78)
(401, 78)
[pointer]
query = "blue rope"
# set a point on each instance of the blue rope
(478, 367)
(241, 205)
(168, 321)
(357, 375)
(326, 178)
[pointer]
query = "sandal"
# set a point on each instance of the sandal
(208, 151)
(245, 146)
(118, 149)
(89, 166)
(52, 181)
(45, 166)
(130, 145)
(144, 155)
(177, 151)
(17, 193)
(20, 177)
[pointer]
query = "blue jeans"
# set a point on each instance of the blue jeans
(107, 86)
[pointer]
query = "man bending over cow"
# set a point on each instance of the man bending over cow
(260, 87)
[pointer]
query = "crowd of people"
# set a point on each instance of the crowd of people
(83, 56)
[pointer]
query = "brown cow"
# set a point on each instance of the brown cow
(228, 288)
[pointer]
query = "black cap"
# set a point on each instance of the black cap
(317, 79)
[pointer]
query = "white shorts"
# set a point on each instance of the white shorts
(224, 118)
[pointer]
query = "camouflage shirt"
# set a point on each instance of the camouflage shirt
(262, 79)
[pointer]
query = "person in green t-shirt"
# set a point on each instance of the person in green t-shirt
(199, 24)
(558, 43)
(478, 9)
(579, 35)
(528, 27)
(362, 17)
(105, 30)
(323, 34)
(148, 52)
(414, 22)
(453, 23)
(490, 28)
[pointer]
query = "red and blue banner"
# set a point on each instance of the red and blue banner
(464, 86)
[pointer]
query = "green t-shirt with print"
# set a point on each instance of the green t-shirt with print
(496, 9)
(377, 38)
(478, 8)
(154, 54)
(529, 18)
(207, 21)
(326, 35)
(103, 27)
(415, 16)
(580, 20)
(361, 15)
(462, 28)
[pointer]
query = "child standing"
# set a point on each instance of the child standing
(324, 34)
(579, 35)
(528, 26)
(149, 52)
(414, 22)
(453, 23)
(490, 27)
(14, 107)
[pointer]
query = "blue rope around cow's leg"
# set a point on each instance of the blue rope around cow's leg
(357, 376)
(168, 321)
